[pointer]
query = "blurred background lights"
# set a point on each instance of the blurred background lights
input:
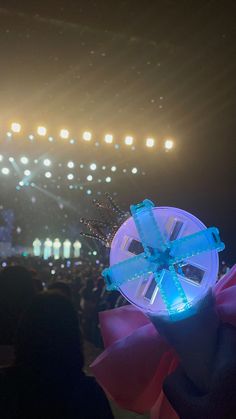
(169, 144)
(113, 168)
(31, 137)
(9, 134)
(90, 178)
(27, 172)
(89, 192)
(150, 142)
(21, 183)
(129, 140)
(70, 176)
(15, 127)
(108, 179)
(87, 136)
(47, 162)
(64, 133)
(42, 131)
(5, 171)
(134, 170)
(48, 174)
(24, 160)
(70, 164)
(108, 138)
(1, 157)
(11, 159)
(93, 166)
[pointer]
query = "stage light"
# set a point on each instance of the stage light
(21, 183)
(134, 170)
(24, 160)
(51, 139)
(42, 131)
(113, 168)
(150, 142)
(169, 144)
(64, 133)
(129, 140)
(5, 171)
(27, 172)
(47, 162)
(11, 159)
(70, 176)
(1, 157)
(90, 178)
(93, 166)
(70, 164)
(48, 174)
(108, 179)
(89, 192)
(31, 137)
(9, 134)
(108, 138)
(87, 136)
(16, 127)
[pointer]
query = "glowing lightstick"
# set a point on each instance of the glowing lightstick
(56, 249)
(37, 247)
(47, 252)
(66, 249)
(163, 259)
(77, 247)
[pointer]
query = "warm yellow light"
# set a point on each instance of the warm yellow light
(87, 136)
(108, 138)
(64, 133)
(169, 144)
(150, 142)
(15, 127)
(42, 131)
(129, 140)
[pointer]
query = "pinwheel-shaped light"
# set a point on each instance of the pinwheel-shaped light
(163, 258)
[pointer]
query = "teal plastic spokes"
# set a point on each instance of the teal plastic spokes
(160, 257)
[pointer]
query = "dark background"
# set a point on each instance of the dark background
(149, 68)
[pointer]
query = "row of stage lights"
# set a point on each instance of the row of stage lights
(47, 163)
(16, 128)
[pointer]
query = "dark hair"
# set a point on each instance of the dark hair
(16, 292)
(62, 287)
(49, 340)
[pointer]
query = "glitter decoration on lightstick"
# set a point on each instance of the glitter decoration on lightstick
(162, 259)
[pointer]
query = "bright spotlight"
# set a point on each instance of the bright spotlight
(47, 162)
(15, 127)
(24, 160)
(5, 171)
(48, 174)
(169, 144)
(90, 178)
(108, 138)
(93, 166)
(150, 142)
(1, 157)
(108, 179)
(70, 164)
(113, 168)
(70, 176)
(27, 172)
(64, 133)
(87, 136)
(129, 140)
(42, 131)
(134, 170)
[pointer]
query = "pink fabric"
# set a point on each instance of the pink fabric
(137, 359)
